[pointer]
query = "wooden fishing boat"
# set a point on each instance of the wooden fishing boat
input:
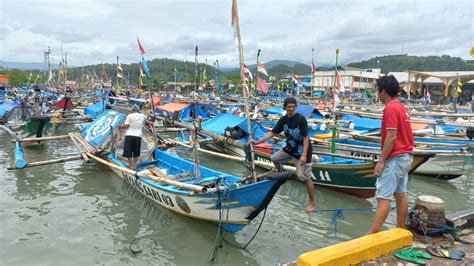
(172, 182)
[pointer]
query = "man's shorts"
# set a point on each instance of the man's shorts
(131, 146)
(394, 177)
(303, 172)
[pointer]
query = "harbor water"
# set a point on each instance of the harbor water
(78, 213)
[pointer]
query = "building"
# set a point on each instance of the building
(441, 84)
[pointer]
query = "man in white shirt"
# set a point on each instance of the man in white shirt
(133, 137)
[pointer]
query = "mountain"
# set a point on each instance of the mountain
(25, 65)
(402, 62)
(268, 65)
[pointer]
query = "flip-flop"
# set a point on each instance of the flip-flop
(419, 253)
(435, 252)
(445, 253)
(408, 256)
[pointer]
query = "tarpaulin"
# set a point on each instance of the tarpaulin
(98, 131)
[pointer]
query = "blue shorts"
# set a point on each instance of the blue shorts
(394, 177)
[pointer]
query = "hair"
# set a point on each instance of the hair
(135, 108)
(389, 84)
(290, 100)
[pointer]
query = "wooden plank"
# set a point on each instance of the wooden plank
(42, 138)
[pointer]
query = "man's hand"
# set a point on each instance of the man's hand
(379, 168)
(303, 159)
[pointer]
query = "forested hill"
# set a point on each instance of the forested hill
(397, 63)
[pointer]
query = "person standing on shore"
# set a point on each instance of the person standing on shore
(298, 149)
(396, 157)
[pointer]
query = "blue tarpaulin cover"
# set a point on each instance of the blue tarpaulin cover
(98, 131)
(219, 123)
(364, 123)
(7, 106)
(94, 109)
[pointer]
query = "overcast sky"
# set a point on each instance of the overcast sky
(95, 31)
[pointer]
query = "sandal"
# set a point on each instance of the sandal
(445, 253)
(420, 253)
(407, 255)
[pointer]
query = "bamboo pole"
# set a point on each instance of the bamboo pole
(42, 138)
(11, 133)
(40, 163)
(146, 174)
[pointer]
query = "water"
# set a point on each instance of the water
(81, 214)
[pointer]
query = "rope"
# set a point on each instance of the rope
(223, 197)
(337, 213)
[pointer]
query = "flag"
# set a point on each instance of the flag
(246, 72)
(140, 76)
(339, 84)
(295, 81)
(140, 47)
(235, 18)
(313, 67)
(459, 89)
(262, 69)
(262, 85)
(146, 71)
(119, 71)
(336, 100)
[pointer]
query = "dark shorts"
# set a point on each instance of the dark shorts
(131, 146)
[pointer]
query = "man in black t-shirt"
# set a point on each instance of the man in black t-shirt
(297, 149)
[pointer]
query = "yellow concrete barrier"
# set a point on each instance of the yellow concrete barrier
(358, 250)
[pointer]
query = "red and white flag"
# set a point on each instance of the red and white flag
(235, 18)
(140, 47)
(262, 69)
(262, 85)
(339, 84)
(119, 71)
(247, 75)
(313, 68)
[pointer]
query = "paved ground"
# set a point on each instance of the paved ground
(445, 241)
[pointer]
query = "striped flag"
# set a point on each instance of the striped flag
(339, 84)
(235, 18)
(262, 69)
(140, 47)
(262, 85)
(119, 71)
(246, 72)
(146, 71)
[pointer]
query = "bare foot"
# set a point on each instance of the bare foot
(310, 208)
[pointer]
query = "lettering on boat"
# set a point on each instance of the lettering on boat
(324, 175)
(263, 160)
(102, 126)
(150, 192)
(365, 155)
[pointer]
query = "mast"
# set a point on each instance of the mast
(235, 23)
(256, 73)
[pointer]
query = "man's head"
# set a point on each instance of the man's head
(388, 88)
(135, 108)
(290, 105)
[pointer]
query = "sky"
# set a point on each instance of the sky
(97, 31)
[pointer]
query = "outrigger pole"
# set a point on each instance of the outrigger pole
(235, 23)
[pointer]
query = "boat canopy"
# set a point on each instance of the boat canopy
(362, 123)
(95, 109)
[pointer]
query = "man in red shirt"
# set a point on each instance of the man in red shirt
(396, 157)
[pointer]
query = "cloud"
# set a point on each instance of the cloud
(94, 31)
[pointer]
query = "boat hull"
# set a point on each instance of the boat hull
(228, 208)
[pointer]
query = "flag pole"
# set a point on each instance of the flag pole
(334, 130)
(256, 73)
(313, 68)
(244, 89)
(195, 70)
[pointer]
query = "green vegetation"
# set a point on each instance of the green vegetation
(163, 69)
(397, 63)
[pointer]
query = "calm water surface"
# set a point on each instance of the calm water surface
(81, 214)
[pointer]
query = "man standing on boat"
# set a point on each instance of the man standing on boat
(133, 137)
(396, 156)
(297, 148)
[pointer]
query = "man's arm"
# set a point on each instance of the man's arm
(387, 148)
(267, 136)
(305, 150)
